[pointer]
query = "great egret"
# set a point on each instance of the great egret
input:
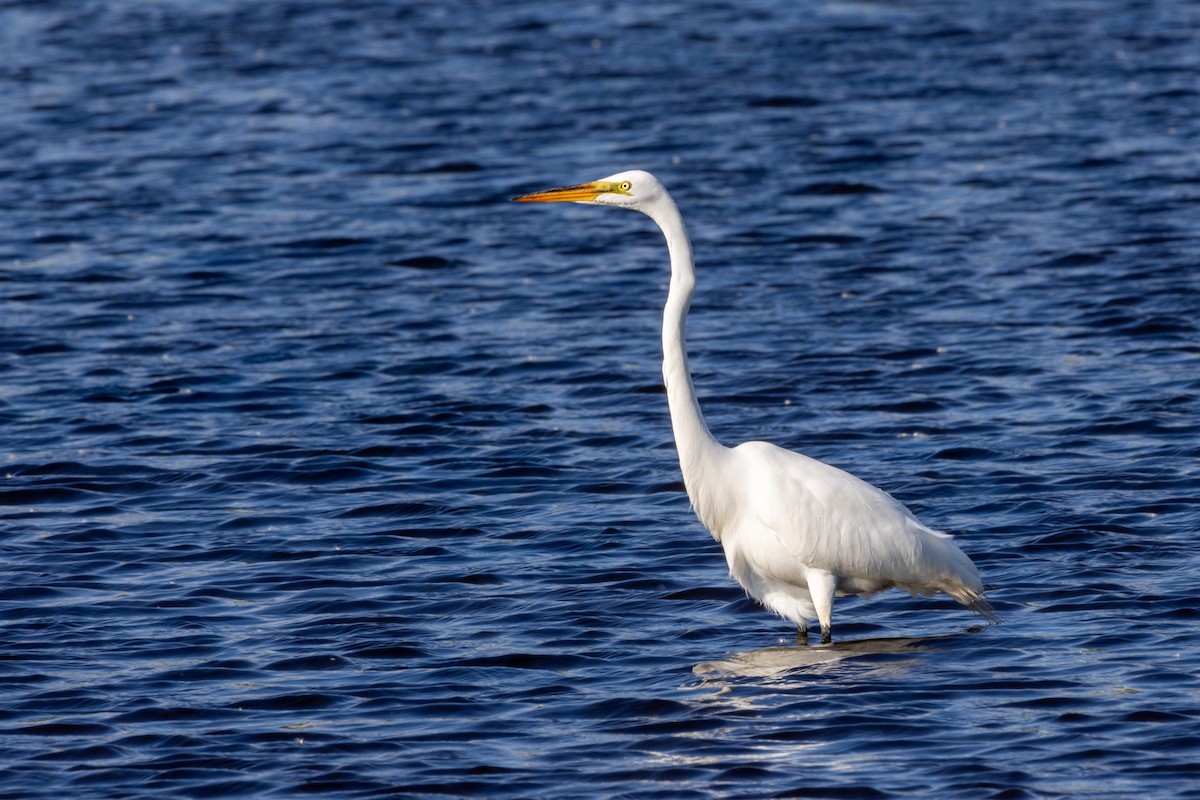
(795, 531)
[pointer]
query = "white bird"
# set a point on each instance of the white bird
(795, 531)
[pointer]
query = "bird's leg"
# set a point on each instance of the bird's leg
(802, 634)
(822, 585)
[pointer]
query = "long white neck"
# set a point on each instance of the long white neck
(696, 445)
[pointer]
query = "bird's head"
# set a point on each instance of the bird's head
(633, 189)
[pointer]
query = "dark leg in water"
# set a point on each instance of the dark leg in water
(801, 634)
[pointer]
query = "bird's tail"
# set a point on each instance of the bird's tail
(974, 601)
(984, 609)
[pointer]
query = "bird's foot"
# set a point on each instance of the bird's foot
(801, 635)
(826, 634)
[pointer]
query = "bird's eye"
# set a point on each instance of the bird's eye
(625, 186)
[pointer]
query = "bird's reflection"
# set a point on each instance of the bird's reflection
(774, 661)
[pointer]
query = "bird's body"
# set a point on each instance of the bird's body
(796, 532)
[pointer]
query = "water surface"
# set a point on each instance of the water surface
(328, 471)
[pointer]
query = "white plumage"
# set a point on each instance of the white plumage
(796, 532)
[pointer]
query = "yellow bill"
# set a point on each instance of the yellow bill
(583, 193)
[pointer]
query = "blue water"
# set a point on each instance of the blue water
(329, 472)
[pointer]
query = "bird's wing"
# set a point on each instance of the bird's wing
(830, 520)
